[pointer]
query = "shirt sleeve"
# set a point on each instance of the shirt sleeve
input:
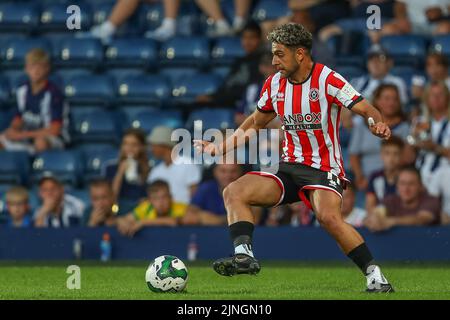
(434, 187)
(433, 205)
(343, 93)
(140, 211)
(198, 199)
(265, 98)
(57, 107)
(370, 186)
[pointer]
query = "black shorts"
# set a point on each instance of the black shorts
(296, 179)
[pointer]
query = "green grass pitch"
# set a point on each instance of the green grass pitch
(277, 280)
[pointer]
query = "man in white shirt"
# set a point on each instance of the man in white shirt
(438, 187)
(379, 63)
(182, 176)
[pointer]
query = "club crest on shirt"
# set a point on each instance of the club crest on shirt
(314, 94)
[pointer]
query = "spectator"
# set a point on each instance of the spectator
(207, 206)
(438, 187)
(103, 211)
(58, 209)
(158, 210)
(129, 172)
(379, 64)
(40, 120)
(431, 134)
(124, 9)
(294, 214)
(18, 207)
(243, 71)
(352, 215)
(418, 17)
(179, 172)
(412, 205)
(382, 183)
(365, 148)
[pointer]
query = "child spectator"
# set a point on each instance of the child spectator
(158, 210)
(41, 116)
(18, 208)
(411, 206)
(382, 182)
(103, 211)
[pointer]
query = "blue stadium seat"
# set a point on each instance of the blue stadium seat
(15, 50)
(75, 52)
(95, 126)
(19, 16)
(441, 44)
(89, 89)
(5, 118)
(406, 73)
(226, 50)
(175, 74)
(14, 168)
(136, 52)
(271, 10)
(349, 72)
(221, 71)
(65, 75)
(54, 17)
(216, 118)
(66, 165)
(119, 73)
(147, 120)
(94, 159)
(405, 49)
(4, 92)
(187, 89)
(101, 11)
(185, 51)
(143, 89)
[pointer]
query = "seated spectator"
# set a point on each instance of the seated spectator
(243, 71)
(180, 173)
(436, 70)
(418, 17)
(129, 172)
(58, 209)
(294, 214)
(382, 183)
(431, 133)
(207, 206)
(352, 215)
(103, 210)
(411, 206)
(158, 210)
(379, 64)
(438, 187)
(18, 208)
(364, 148)
(40, 121)
(124, 9)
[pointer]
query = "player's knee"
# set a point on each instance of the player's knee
(232, 193)
(329, 221)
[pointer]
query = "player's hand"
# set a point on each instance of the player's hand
(202, 146)
(380, 130)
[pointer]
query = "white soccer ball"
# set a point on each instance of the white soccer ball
(166, 274)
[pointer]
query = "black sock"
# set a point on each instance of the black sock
(242, 233)
(362, 257)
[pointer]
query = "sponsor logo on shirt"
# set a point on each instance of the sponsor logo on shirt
(298, 121)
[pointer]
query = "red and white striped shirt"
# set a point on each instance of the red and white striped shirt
(310, 113)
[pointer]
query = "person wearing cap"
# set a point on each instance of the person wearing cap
(180, 173)
(128, 173)
(379, 64)
(58, 210)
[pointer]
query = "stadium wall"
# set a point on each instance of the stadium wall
(281, 243)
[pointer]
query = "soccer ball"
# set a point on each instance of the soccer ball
(166, 274)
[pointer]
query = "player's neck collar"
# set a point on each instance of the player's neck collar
(306, 79)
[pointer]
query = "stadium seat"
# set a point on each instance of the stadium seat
(349, 72)
(65, 75)
(14, 168)
(405, 49)
(4, 92)
(147, 120)
(441, 44)
(119, 73)
(136, 52)
(406, 73)
(74, 52)
(81, 194)
(143, 89)
(226, 50)
(19, 16)
(54, 16)
(101, 11)
(95, 126)
(175, 74)
(89, 89)
(271, 10)
(5, 118)
(65, 165)
(221, 71)
(93, 161)
(15, 50)
(187, 89)
(185, 51)
(204, 119)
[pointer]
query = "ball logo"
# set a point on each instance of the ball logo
(314, 94)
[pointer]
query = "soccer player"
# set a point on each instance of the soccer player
(307, 97)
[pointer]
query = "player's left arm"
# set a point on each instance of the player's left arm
(367, 111)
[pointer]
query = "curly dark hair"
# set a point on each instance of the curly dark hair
(292, 35)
